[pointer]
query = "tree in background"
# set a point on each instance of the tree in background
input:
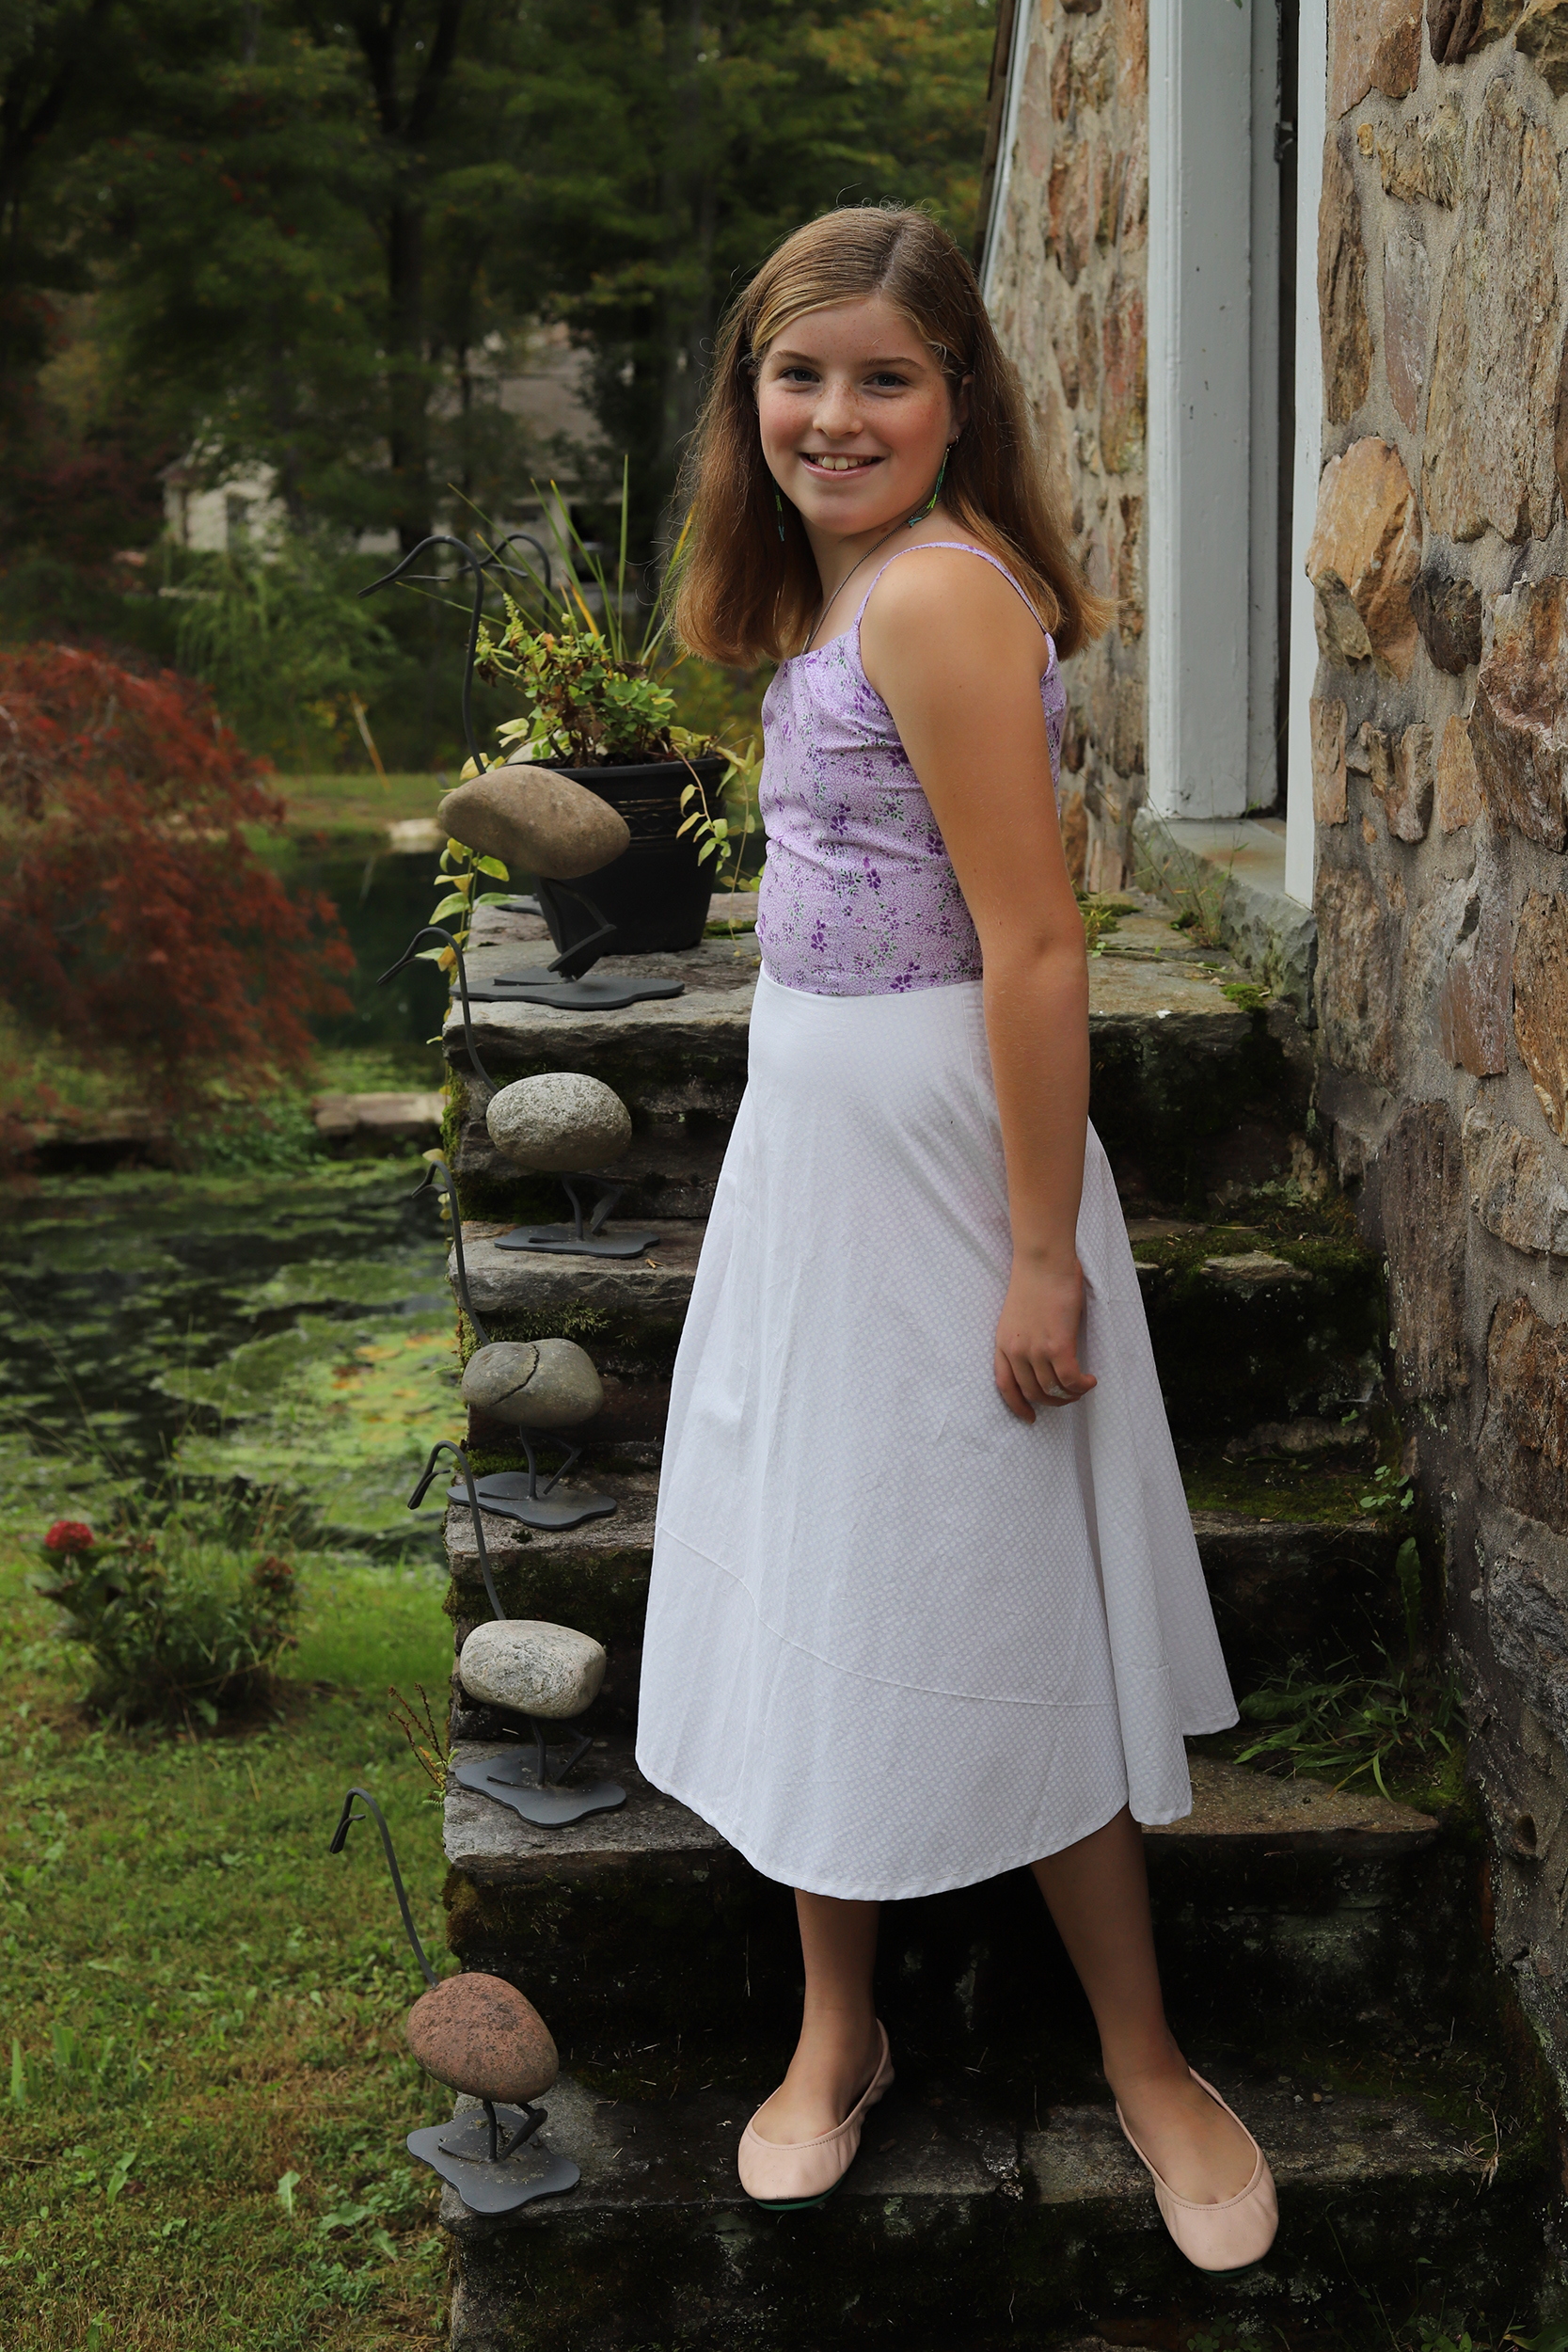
(308, 234)
(672, 144)
(140, 925)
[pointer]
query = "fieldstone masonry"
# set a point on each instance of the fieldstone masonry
(1440, 790)
(1439, 739)
(1069, 299)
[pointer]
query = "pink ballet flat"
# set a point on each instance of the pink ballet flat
(1230, 2237)
(786, 2176)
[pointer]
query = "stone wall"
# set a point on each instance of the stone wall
(1068, 287)
(1440, 736)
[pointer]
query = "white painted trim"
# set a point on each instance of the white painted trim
(1200, 395)
(1311, 131)
(1023, 17)
(1263, 751)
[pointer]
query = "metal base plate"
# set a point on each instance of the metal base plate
(510, 1780)
(460, 2152)
(595, 993)
(561, 1241)
(505, 1494)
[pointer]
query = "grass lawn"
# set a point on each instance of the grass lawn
(358, 802)
(201, 2026)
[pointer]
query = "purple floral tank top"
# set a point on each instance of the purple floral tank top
(859, 896)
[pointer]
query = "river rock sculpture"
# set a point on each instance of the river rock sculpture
(536, 821)
(533, 1384)
(479, 2034)
(558, 1124)
(549, 1670)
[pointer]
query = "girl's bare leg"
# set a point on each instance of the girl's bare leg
(1098, 1894)
(839, 2046)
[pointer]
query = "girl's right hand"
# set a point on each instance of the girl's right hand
(1036, 1337)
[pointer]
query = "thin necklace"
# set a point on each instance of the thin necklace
(920, 515)
(848, 577)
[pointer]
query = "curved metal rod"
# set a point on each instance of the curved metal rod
(511, 537)
(445, 539)
(438, 1172)
(433, 930)
(346, 1819)
(444, 1445)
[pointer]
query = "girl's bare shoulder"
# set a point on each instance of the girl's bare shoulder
(949, 602)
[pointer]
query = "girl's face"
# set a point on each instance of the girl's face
(855, 416)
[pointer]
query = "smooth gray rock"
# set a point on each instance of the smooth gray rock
(535, 822)
(533, 1384)
(559, 1122)
(535, 1669)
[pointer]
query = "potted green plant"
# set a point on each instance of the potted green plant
(600, 709)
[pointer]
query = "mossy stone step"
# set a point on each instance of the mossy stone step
(1243, 1330)
(958, 2226)
(1277, 1899)
(1195, 1096)
(1320, 1589)
(627, 1312)
(678, 1064)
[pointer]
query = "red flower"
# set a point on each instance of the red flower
(68, 1536)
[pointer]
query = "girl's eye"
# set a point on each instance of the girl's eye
(797, 375)
(884, 379)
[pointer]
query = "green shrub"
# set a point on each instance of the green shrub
(178, 1618)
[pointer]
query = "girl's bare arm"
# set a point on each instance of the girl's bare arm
(957, 657)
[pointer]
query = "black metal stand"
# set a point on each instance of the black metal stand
(539, 1797)
(439, 1174)
(533, 1786)
(583, 1238)
(600, 993)
(493, 2157)
(513, 1495)
(563, 983)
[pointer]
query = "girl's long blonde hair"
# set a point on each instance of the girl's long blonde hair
(744, 597)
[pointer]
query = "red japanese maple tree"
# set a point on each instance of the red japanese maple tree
(137, 918)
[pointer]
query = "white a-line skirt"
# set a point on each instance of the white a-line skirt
(896, 1640)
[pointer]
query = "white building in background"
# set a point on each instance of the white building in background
(547, 391)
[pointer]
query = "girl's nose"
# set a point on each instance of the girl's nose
(837, 409)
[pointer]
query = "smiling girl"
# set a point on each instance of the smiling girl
(925, 1603)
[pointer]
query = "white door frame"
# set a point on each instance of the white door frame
(1200, 394)
(1311, 131)
(1017, 57)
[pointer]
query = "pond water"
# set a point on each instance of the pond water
(381, 900)
(288, 1332)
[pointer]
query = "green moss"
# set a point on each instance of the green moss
(453, 1117)
(1273, 1490)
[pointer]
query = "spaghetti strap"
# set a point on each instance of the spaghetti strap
(965, 547)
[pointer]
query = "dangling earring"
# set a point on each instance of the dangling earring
(930, 506)
(778, 503)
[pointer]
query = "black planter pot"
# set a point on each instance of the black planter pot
(654, 893)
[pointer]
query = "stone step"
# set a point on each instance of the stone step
(678, 1064)
(1277, 1899)
(1245, 1328)
(1197, 1097)
(957, 2226)
(627, 1312)
(1318, 1588)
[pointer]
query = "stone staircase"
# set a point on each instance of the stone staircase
(1322, 1949)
